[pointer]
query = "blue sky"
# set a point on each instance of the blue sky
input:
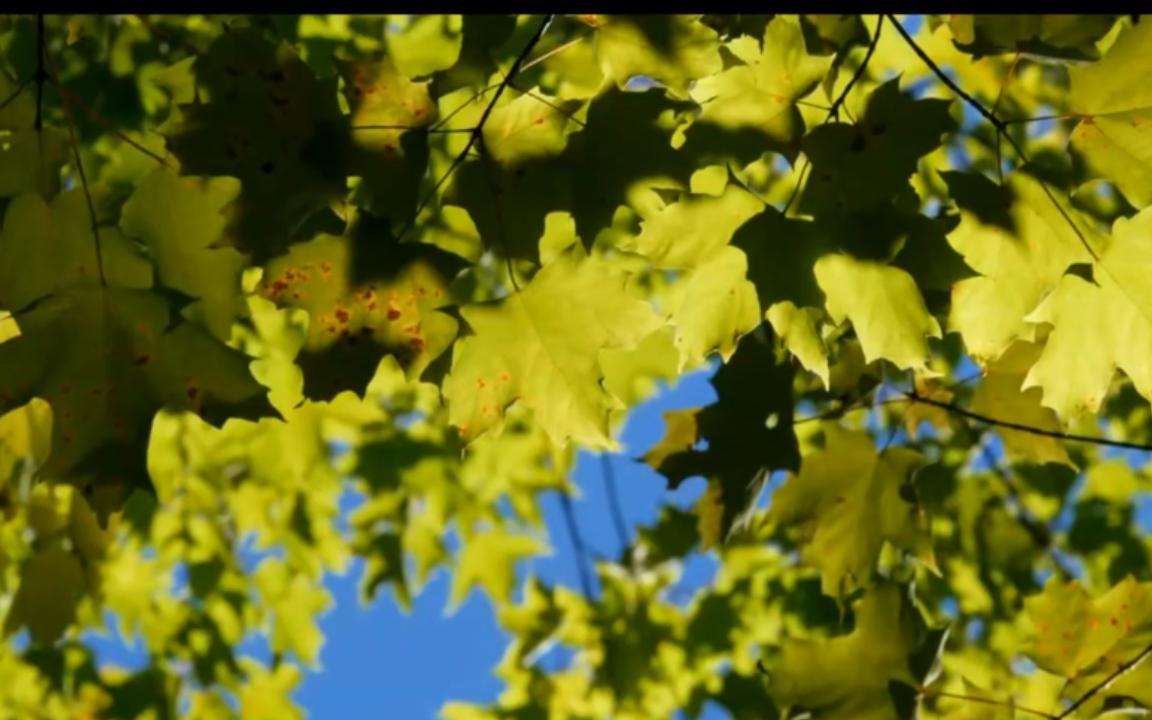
(379, 660)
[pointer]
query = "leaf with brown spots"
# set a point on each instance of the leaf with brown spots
(389, 146)
(268, 121)
(1086, 639)
(541, 347)
(1115, 134)
(867, 163)
(367, 296)
(47, 246)
(107, 359)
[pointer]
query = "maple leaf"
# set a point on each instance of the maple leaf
(489, 559)
(848, 501)
(1058, 36)
(1111, 95)
(867, 163)
(748, 431)
(30, 158)
(270, 123)
(388, 149)
(850, 675)
(638, 125)
(1081, 356)
(760, 95)
(368, 295)
(106, 359)
(180, 222)
(1020, 244)
(541, 350)
(672, 49)
(1000, 395)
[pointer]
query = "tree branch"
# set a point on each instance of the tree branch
(834, 111)
(577, 543)
(1120, 670)
(608, 474)
(987, 420)
(15, 94)
(41, 75)
(1001, 130)
(478, 131)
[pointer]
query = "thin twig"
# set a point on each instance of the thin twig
(996, 106)
(799, 183)
(72, 140)
(608, 474)
(559, 110)
(813, 105)
(856, 406)
(556, 50)
(15, 94)
(1040, 533)
(861, 403)
(456, 110)
(577, 543)
(88, 199)
(1001, 129)
(959, 91)
(95, 116)
(1058, 116)
(834, 111)
(1070, 437)
(1120, 670)
(41, 75)
(477, 131)
(990, 701)
(1004, 85)
(497, 211)
(430, 131)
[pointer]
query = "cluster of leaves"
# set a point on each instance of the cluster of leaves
(277, 292)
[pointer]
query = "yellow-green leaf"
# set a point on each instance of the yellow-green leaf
(541, 347)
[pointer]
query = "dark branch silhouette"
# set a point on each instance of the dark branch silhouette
(578, 545)
(477, 132)
(1120, 670)
(988, 420)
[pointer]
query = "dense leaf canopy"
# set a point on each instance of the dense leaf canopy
(254, 266)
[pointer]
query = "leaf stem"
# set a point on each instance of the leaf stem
(477, 131)
(834, 110)
(1120, 670)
